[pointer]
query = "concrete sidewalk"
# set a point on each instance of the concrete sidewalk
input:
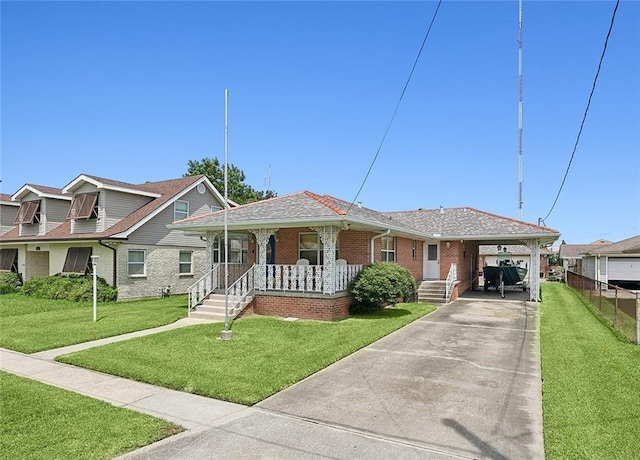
(51, 354)
(191, 411)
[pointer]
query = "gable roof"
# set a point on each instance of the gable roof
(470, 223)
(628, 246)
(575, 251)
(5, 199)
(167, 192)
(108, 184)
(42, 191)
(299, 209)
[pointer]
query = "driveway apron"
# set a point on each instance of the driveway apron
(464, 380)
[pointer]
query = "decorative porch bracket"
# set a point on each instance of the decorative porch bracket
(534, 270)
(329, 236)
(262, 239)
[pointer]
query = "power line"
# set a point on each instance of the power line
(586, 111)
(415, 63)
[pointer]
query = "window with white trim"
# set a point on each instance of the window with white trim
(136, 262)
(413, 249)
(310, 247)
(180, 210)
(184, 264)
(29, 213)
(388, 248)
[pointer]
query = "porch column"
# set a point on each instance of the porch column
(211, 236)
(262, 239)
(329, 236)
(534, 270)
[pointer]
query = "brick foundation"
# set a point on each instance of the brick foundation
(299, 305)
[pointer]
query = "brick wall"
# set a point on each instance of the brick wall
(409, 258)
(303, 306)
(464, 255)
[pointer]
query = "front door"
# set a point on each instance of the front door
(271, 250)
(431, 261)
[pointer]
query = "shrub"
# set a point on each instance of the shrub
(381, 284)
(77, 288)
(9, 282)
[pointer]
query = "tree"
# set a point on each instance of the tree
(237, 191)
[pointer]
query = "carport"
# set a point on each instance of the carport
(459, 232)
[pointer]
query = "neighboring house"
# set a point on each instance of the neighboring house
(520, 254)
(307, 247)
(58, 230)
(8, 211)
(616, 263)
(571, 254)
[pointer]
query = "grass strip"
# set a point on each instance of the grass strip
(41, 421)
(591, 382)
(265, 355)
(31, 324)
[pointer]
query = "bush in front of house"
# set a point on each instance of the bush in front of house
(380, 284)
(78, 288)
(10, 282)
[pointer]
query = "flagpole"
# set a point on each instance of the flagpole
(226, 334)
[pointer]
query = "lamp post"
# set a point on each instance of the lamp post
(94, 266)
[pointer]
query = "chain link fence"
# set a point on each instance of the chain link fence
(620, 306)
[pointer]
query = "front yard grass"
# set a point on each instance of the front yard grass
(591, 382)
(265, 355)
(31, 324)
(41, 421)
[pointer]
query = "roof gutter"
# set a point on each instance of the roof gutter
(385, 233)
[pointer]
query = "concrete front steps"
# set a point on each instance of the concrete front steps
(432, 292)
(212, 308)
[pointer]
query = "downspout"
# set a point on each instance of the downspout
(385, 233)
(115, 263)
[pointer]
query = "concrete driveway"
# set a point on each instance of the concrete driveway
(464, 380)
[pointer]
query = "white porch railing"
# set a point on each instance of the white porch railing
(240, 291)
(345, 274)
(307, 278)
(203, 287)
(452, 277)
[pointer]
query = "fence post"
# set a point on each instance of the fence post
(637, 318)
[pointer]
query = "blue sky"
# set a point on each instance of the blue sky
(134, 90)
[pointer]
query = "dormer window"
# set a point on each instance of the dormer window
(29, 213)
(84, 206)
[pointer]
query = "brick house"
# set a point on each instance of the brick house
(48, 230)
(294, 255)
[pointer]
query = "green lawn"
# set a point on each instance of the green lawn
(30, 324)
(591, 382)
(265, 355)
(41, 421)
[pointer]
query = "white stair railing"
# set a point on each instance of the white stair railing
(452, 276)
(239, 292)
(202, 288)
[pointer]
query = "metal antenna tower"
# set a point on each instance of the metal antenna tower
(520, 109)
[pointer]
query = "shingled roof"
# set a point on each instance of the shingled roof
(306, 209)
(575, 251)
(297, 210)
(467, 223)
(167, 190)
(628, 246)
